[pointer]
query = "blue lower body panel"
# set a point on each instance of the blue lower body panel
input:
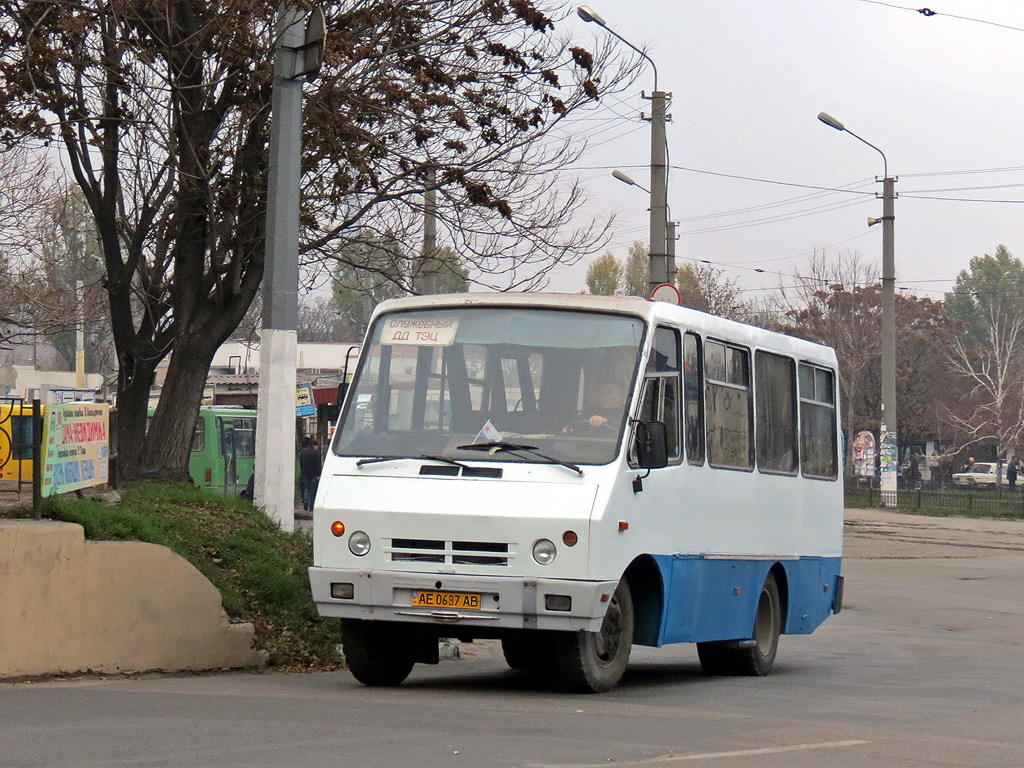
(709, 599)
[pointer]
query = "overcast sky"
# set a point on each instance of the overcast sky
(941, 96)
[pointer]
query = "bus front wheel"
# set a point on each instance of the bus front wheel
(593, 662)
(377, 654)
(756, 657)
(529, 651)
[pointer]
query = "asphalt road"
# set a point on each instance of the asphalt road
(924, 667)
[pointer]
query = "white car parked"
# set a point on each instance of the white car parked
(981, 475)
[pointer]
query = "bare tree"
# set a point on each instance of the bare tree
(28, 195)
(989, 350)
(162, 111)
(995, 403)
(318, 320)
(703, 287)
(838, 302)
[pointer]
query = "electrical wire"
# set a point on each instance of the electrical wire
(828, 207)
(768, 181)
(959, 199)
(765, 206)
(929, 13)
(964, 172)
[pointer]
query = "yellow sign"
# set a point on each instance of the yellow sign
(15, 440)
(75, 446)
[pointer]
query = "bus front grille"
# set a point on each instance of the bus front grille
(452, 552)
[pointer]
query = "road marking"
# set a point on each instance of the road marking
(667, 759)
(762, 751)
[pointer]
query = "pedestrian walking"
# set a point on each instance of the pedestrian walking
(309, 471)
(1011, 474)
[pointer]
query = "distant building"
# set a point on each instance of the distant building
(37, 370)
(234, 377)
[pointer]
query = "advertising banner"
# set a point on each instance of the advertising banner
(75, 446)
(304, 405)
(864, 454)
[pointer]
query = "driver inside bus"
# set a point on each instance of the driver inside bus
(606, 411)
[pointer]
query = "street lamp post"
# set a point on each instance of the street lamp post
(663, 268)
(670, 226)
(888, 443)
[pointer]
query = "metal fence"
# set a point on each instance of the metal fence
(1001, 502)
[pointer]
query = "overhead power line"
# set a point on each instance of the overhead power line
(768, 181)
(966, 172)
(929, 13)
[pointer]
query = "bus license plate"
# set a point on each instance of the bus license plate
(468, 600)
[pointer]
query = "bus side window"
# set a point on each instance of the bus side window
(693, 403)
(199, 436)
(729, 406)
(660, 396)
(224, 437)
(775, 390)
(244, 437)
(818, 446)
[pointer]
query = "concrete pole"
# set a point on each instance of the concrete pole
(659, 260)
(888, 443)
(80, 336)
(274, 482)
(889, 425)
(428, 265)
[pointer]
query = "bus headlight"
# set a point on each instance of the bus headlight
(358, 543)
(544, 551)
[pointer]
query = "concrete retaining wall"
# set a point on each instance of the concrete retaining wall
(68, 605)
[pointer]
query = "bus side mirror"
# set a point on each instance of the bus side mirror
(651, 445)
(342, 389)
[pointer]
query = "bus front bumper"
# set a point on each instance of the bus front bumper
(500, 602)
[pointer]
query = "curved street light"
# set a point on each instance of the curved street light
(662, 260)
(887, 423)
(628, 180)
(670, 225)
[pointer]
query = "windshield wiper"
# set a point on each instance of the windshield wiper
(426, 457)
(495, 446)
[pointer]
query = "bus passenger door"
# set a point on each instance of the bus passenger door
(660, 402)
(226, 435)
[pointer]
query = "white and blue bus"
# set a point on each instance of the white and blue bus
(574, 475)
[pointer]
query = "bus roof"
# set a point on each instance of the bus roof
(651, 311)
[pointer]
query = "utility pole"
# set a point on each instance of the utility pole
(662, 265)
(80, 336)
(428, 258)
(889, 443)
(298, 51)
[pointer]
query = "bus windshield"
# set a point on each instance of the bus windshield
(433, 381)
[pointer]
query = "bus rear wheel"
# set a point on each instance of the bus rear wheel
(756, 657)
(377, 653)
(593, 662)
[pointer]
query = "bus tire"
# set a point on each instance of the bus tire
(757, 660)
(377, 654)
(529, 652)
(593, 662)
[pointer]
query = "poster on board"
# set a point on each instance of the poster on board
(76, 446)
(864, 454)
